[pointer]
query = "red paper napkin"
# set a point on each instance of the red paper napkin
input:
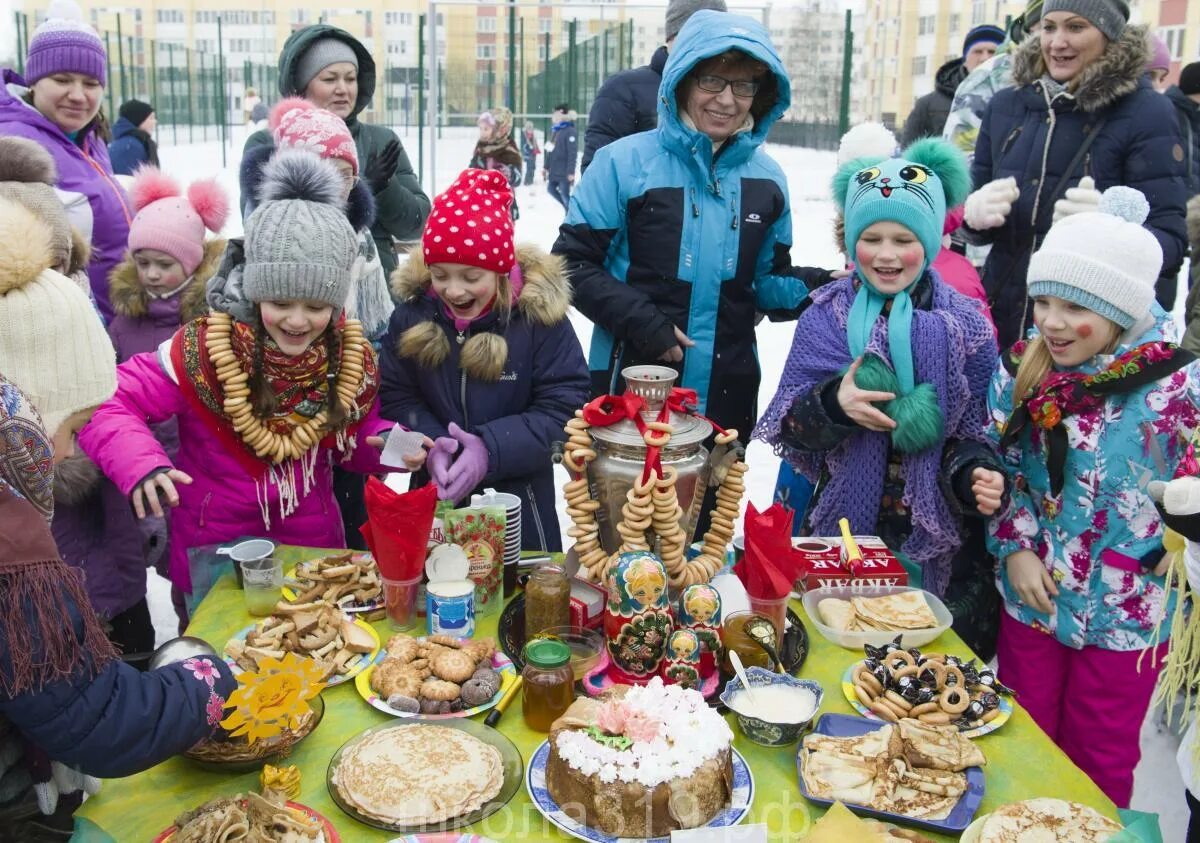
(766, 566)
(397, 528)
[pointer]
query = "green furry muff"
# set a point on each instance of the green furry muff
(919, 420)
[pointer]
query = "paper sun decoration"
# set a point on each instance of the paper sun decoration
(273, 699)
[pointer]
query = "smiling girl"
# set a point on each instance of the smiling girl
(480, 354)
(264, 407)
(1087, 413)
(882, 402)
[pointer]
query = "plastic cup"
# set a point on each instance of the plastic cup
(245, 552)
(262, 584)
(400, 598)
(776, 610)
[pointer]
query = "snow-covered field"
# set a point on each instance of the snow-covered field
(1158, 787)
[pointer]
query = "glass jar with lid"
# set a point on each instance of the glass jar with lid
(549, 686)
(547, 600)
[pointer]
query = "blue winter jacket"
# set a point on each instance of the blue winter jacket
(663, 232)
(130, 148)
(560, 161)
(1187, 112)
(627, 103)
(431, 375)
(1033, 136)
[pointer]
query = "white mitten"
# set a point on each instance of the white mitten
(1078, 200)
(989, 206)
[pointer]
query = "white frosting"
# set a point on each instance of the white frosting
(692, 733)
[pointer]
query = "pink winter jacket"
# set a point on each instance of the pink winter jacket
(222, 502)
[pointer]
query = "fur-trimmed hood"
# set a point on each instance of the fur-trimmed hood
(129, 298)
(544, 299)
(1117, 73)
(360, 207)
(75, 479)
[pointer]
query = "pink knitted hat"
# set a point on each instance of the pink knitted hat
(173, 223)
(296, 122)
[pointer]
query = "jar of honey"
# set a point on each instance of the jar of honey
(547, 600)
(549, 686)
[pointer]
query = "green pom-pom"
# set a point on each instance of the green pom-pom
(919, 420)
(841, 179)
(948, 162)
(874, 375)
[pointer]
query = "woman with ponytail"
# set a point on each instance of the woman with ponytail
(1088, 414)
(266, 403)
(882, 403)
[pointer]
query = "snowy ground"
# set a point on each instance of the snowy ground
(1158, 787)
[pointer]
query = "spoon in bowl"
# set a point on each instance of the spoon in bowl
(736, 661)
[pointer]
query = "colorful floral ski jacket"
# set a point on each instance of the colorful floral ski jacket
(1100, 538)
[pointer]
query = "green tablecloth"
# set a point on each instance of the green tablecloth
(1022, 761)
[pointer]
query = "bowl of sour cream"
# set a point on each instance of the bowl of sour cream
(778, 709)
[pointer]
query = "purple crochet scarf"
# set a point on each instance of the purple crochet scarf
(954, 349)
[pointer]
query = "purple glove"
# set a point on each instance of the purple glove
(441, 455)
(469, 468)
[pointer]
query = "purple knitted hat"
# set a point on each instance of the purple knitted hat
(64, 43)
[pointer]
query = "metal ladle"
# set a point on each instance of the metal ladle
(762, 632)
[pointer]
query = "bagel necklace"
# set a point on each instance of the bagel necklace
(266, 444)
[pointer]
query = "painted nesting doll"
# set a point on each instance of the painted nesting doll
(682, 666)
(637, 617)
(700, 611)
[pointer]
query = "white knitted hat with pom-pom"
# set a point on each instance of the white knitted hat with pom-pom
(867, 140)
(1104, 260)
(52, 342)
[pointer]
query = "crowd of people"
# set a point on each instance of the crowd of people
(163, 388)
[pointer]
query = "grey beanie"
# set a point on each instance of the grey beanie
(28, 176)
(322, 53)
(1108, 16)
(678, 12)
(299, 244)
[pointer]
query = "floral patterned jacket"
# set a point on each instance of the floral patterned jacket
(1101, 537)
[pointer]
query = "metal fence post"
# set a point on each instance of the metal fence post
(572, 68)
(121, 59)
(172, 81)
(203, 96)
(522, 75)
(222, 80)
(847, 61)
(421, 99)
(108, 62)
(512, 57)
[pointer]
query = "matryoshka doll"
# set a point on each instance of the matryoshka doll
(700, 611)
(683, 659)
(637, 617)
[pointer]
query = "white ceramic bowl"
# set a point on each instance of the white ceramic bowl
(876, 638)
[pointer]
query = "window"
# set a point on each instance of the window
(485, 24)
(169, 16)
(485, 51)
(955, 22)
(299, 16)
(545, 25)
(406, 18)
(1174, 37)
(918, 66)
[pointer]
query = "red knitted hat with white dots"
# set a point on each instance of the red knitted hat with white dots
(471, 223)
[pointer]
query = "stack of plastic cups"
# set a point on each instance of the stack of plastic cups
(512, 532)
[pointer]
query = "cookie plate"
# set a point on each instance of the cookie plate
(535, 784)
(1006, 707)
(501, 663)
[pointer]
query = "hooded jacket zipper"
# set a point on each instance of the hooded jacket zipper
(462, 385)
(537, 516)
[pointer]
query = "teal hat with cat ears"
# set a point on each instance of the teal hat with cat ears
(914, 190)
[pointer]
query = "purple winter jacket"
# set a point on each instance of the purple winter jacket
(83, 169)
(222, 502)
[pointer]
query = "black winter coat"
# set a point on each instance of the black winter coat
(560, 161)
(626, 104)
(428, 379)
(1033, 136)
(1188, 113)
(928, 117)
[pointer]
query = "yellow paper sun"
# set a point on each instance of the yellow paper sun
(274, 698)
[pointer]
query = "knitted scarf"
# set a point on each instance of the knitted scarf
(864, 313)
(1065, 393)
(300, 383)
(954, 351)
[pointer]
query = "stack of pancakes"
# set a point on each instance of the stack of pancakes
(418, 775)
(1046, 820)
(906, 610)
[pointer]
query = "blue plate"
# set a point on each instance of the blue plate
(847, 726)
(535, 783)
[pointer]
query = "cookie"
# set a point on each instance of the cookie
(481, 650)
(429, 706)
(477, 692)
(454, 666)
(439, 689)
(445, 641)
(402, 647)
(404, 703)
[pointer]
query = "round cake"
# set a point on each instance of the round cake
(641, 764)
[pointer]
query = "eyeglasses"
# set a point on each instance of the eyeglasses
(744, 88)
